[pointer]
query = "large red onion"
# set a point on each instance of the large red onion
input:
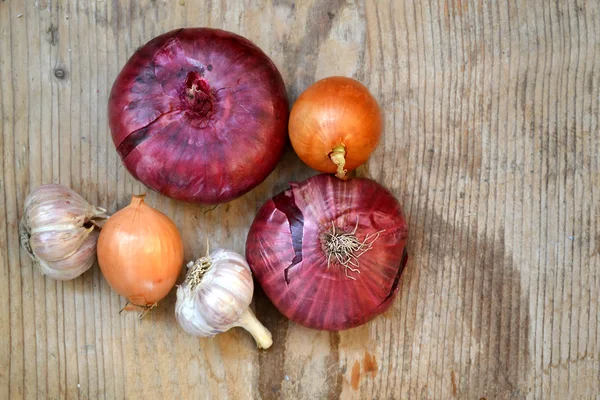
(199, 115)
(292, 237)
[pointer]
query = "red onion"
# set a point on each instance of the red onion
(199, 115)
(329, 253)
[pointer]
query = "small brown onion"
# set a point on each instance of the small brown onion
(140, 252)
(335, 125)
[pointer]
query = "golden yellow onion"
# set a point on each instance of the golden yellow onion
(335, 125)
(140, 253)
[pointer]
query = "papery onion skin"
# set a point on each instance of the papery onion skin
(199, 115)
(335, 111)
(140, 253)
(285, 253)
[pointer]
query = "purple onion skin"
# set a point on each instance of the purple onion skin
(209, 145)
(286, 256)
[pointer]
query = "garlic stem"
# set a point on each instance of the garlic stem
(99, 214)
(249, 322)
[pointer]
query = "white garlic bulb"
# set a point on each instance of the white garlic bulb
(216, 295)
(58, 231)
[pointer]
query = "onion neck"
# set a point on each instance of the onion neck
(249, 322)
(137, 200)
(197, 94)
(338, 157)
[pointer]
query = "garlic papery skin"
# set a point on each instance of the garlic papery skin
(74, 265)
(216, 296)
(59, 231)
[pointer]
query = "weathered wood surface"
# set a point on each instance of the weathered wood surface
(491, 144)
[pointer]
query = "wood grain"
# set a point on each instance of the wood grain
(491, 144)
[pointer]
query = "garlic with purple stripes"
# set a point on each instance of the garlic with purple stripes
(216, 296)
(59, 230)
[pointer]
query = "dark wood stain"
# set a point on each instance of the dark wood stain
(494, 366)
(335, 375)
(52, 34)
(301, 62)
(502, 379)
(271, 362)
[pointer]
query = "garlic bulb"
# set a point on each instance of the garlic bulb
(58, 231)
(216, 295)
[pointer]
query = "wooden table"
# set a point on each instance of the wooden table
(491, 144)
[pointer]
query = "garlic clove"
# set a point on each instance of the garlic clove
(74, 265)
(189, 317)
(56, 213)
(58, 244)
(51, 192)
(52, 205)
(41, 221)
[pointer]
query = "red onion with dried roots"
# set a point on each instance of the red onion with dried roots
(199, 115)
(329, 253)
